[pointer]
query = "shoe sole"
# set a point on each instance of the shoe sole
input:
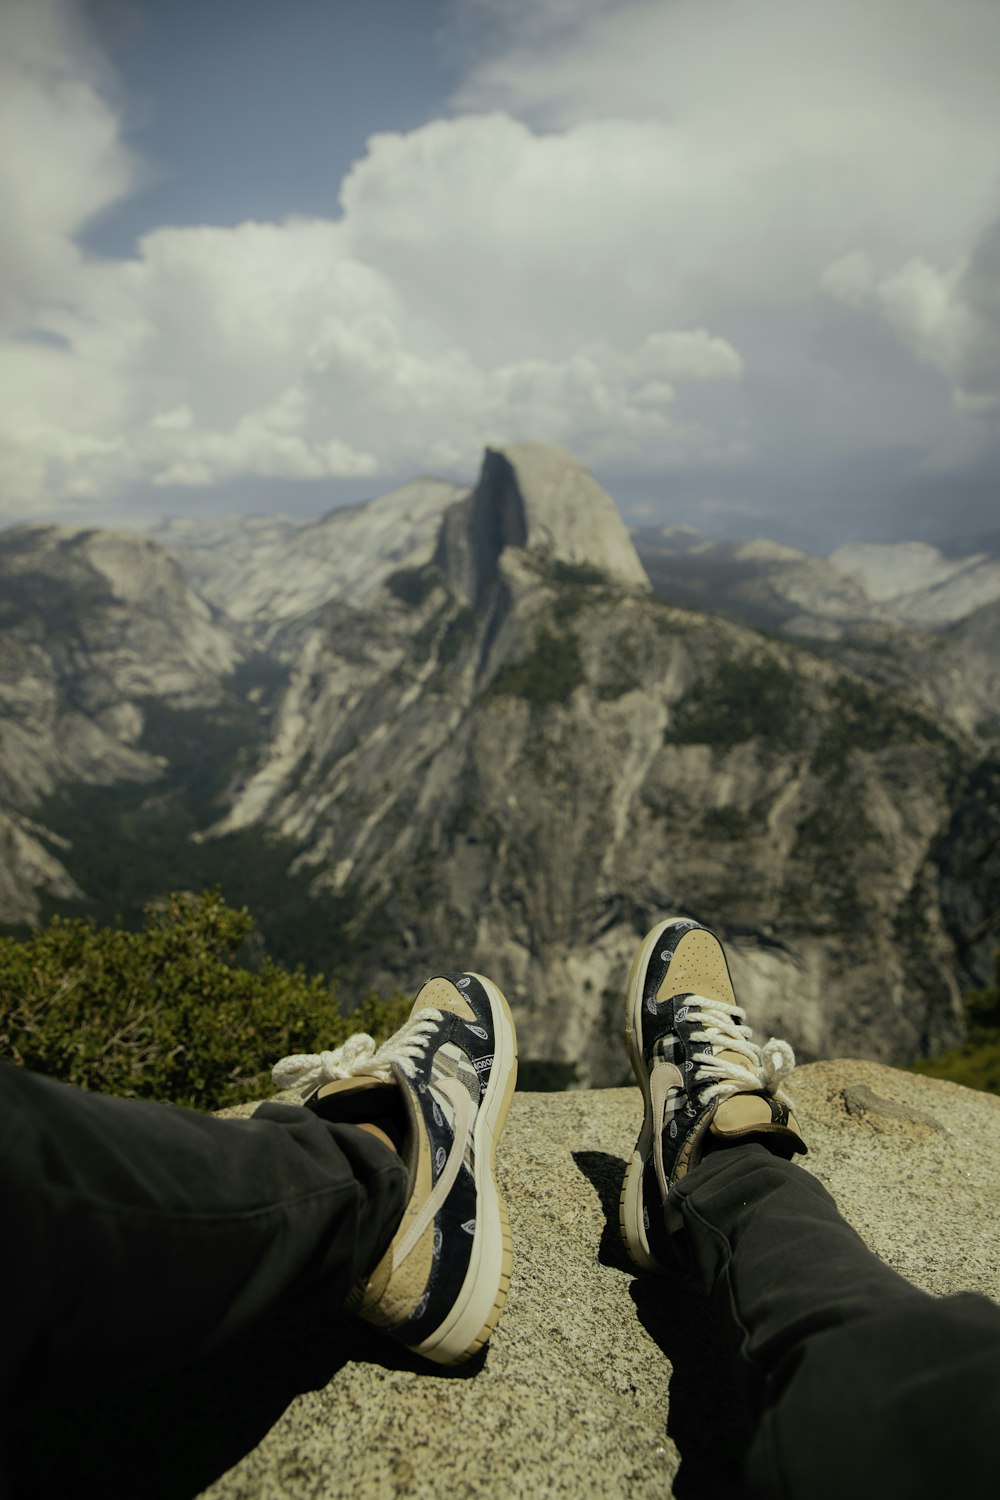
(700, 960)
(478, 1306)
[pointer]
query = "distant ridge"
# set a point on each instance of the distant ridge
(456, 725)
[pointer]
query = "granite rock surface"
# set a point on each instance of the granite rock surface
(599, 1381)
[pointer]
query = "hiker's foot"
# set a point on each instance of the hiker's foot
(442, 1283)
(705, 1082)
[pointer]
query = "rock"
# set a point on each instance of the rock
(524, 783)
(863, 1104)
(263, 571)
(93, 625)
(916, 583)
(601, 1382)
(476, 734)
(901, 584)
(541, 500)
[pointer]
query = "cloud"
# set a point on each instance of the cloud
(63, 159)
(851, 279)
(949, 318)
(658, 234)
(269, 444)
(404, 336)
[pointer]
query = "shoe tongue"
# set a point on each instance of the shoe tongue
(355, 1101)
(739, 1058)
(355, 1095)
(742, 1114)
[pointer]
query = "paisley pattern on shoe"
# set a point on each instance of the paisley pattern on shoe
(703, 1078)
(442, 1283)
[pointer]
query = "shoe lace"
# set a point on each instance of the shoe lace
(359, 1055)
(766, 1068)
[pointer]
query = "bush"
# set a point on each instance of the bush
(549, 674)
(168, 1012)
(413, 585)
(740, 700)
(977, 1064)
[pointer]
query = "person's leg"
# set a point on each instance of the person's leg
(859, 1376)
(138, 1235)
(442, 1283)
(862, 1379)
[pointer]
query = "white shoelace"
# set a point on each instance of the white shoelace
(767, 1068)
(359, 1055)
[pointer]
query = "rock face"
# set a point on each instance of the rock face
(902, 584)
(541, 500)
(916, 584)
(262, 572)
(93, 625)
(516, 762)
(493, 747)
(597, 1381)
(597, 1371)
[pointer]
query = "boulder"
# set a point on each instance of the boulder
(599, 1381)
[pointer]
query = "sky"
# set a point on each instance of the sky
(741, 257)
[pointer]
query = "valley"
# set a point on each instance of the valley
(485, 728)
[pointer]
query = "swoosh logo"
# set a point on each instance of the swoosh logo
(464, 1110)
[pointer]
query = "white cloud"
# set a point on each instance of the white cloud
(267, 443)
(851, 279)
(621, 241)
(949, 318)
(63, 159)
(746, 144)
(311, 349)
(178, 419)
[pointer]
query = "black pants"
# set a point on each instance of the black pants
(140, 1236)
(137, 1236)
(864, 1385)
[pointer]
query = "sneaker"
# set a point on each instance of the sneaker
(704, 1080)
(441, 1285)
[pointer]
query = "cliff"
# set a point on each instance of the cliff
(523, 758)
(597, 1381)
(459, 722)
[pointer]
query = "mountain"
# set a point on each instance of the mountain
(905, 584)
(521, 760)
(916, 584)
(261, 571)
(468, 732)
(97, 629)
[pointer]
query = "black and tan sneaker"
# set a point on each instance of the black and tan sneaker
(704, 1080)
(442, 1283)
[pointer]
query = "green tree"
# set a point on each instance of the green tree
(168, 1012)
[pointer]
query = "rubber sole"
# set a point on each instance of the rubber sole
(478, 1306)
(699, 965)
(631, 1217)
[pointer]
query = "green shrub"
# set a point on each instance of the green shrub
(870, 718)
(977, 1064)
(577, 575)
(548, 675)
(741, 700)
(413, 585)
(168, 1012)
